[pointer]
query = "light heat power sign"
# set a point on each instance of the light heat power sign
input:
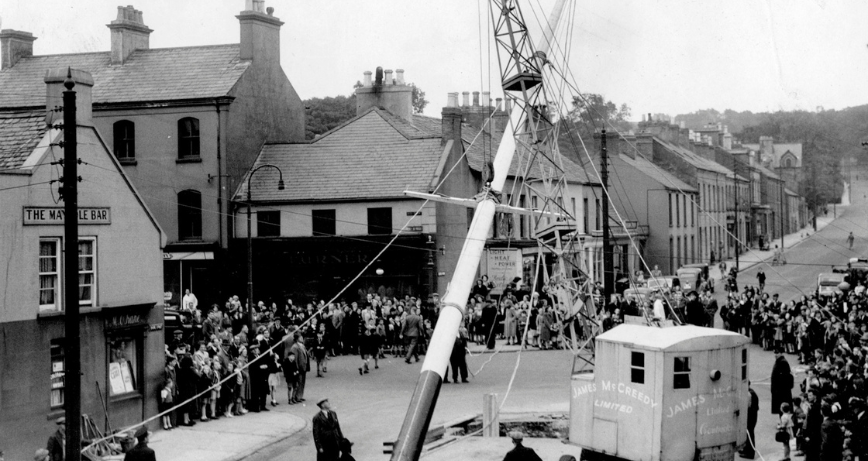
(503, 266)
(53, 216)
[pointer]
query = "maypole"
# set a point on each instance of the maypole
(521, 75)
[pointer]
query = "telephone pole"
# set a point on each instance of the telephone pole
(608, 262)
(735, 211)
(783, 221)
(72, 354)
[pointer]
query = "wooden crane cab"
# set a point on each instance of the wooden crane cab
(676, 393)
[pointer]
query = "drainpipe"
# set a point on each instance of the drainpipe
(219, 180)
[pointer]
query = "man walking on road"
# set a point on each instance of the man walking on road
(327, 434)
(303, 359)
(761, 279)
(520, 452)
(850, 239)
(410, 332)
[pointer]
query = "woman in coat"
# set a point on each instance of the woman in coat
(543, 327)
(510, 322)
(781, 382)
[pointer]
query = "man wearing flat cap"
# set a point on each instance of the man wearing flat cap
(327, 433)
(520, 452)
(141, 452)
(57, 442)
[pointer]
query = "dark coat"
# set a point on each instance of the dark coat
(782, 384)
(327, 433)
(521, 453)
(696, 313)
(412, 327)
(290, 370)
(55, 447)
(831, 441)
(752, 409)
(140, 452)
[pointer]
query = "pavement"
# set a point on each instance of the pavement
(225, 439)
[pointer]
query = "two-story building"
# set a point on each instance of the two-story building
(120, 282)
(186, 123)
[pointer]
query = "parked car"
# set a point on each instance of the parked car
(173, 320)
(827, 284)
(665, 283)
(689, 273)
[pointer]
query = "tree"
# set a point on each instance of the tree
(419, 101)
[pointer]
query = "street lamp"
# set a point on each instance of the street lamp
(250, 304)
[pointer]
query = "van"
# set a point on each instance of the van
(689, 273)
(827, 284)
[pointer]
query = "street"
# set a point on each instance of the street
(372, 407)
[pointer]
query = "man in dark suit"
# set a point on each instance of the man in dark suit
(831, 436)
(327, 433)
(711, 309)
(520, 452)
(410, 331)
(141, 452)
(57, 442)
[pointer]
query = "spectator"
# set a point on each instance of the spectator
(410, 332)
(781, 382)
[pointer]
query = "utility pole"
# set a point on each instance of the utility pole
(72, 352)
(735, 213)
(608, 263)
(783, 221)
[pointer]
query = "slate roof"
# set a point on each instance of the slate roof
(485, 146)
(695, 159)
(159, 74)
(375, 155)
(656, 173)
(20, 132)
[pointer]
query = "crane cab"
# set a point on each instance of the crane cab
(662, 394)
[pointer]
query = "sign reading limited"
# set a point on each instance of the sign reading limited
(48, 216)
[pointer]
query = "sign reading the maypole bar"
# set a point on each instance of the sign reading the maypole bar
(50, 216)
(503, 266)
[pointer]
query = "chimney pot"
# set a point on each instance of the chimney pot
(465, 98)
(475, 99)
(367, 78)
(399, 74)
(388, 80)
(452, 99)
(486, 99)
(270, 10)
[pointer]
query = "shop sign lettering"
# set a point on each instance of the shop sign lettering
(122, 321)
(327, 259)
(53, 216)
(686, 404)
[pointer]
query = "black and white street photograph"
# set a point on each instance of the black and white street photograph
(518, 230)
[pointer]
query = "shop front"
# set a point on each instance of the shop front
(318, 268)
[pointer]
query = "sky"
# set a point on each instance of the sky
(656, 56)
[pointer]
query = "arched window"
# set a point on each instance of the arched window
(788, 160)
(188, 138)
(788, 163)
(189, 215)
(124, 139)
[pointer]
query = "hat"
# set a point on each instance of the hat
(179, 332)
(693, 293)
(41, 454)
(319, 404)
(61, 420)
(516, 435)
(141, 432)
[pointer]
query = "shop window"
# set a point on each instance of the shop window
(124, 139)
(49, 275)
(58, 374)
(268, 223)
(585, 216)
(124, 363)
(87, 272)
(637, 367)
(188, 138)
(681, 377)
(324, 222)
(189, 215)
(743, 364)
(598, 215)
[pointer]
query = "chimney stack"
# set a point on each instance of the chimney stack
(486, 100)
(367, 79)
(465, 97)
(475, 99)
(397, 98)
(14, 45)
(260, 34)
(54, 89)
(129, 33)
(399, 74)
(451, 99)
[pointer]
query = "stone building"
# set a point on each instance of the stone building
(186, 123)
